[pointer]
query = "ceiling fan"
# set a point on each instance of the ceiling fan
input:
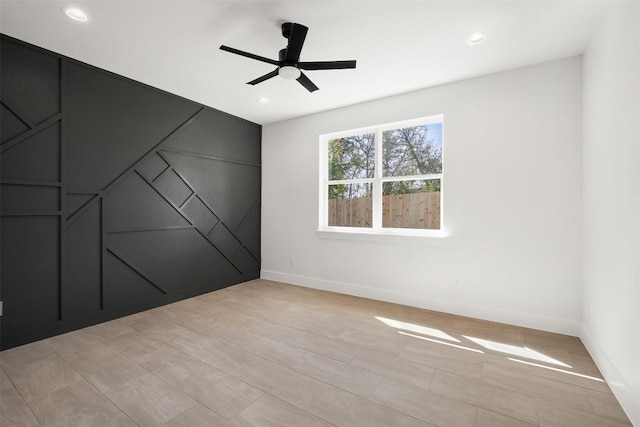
(289, 64)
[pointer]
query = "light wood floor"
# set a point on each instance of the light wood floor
(268, 354)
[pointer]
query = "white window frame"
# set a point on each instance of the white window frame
(377, 180)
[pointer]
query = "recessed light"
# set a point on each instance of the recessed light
(76, 14)
(264, 100)
(476, 38)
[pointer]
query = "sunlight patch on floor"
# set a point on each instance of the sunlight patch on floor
(514, 350)
(441, 342)
(564, 371)
(412, 327)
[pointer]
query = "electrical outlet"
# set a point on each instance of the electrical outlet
(457, 285)
(292, 262)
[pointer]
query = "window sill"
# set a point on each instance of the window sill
(433, 238)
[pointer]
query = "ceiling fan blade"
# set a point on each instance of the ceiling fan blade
(296, 40)
(308, 84)
(263, 78)
(327, 65)
(250, 55)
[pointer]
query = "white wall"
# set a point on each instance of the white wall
(512, 202)
(611, 169)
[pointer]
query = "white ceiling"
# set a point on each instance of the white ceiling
(400, 45)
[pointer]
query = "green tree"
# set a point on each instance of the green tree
(351, 157)
(410, 151)
(405, 152)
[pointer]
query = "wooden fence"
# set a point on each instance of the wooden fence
(415, 210)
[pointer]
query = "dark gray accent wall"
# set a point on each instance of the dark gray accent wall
(115, 197)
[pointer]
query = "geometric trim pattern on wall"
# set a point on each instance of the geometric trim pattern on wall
(115, 196)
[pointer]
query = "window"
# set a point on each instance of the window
(385, 179)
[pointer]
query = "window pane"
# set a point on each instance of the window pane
(350, 205)
(413, 150)
(352, 157)
(411, 204)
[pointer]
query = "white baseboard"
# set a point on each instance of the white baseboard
(512, 317)
(629, 401)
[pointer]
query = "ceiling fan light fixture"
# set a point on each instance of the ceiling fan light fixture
(289, 72)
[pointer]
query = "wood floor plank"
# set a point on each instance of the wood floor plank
(14, 410)
(346, 409)
(206, 324)
(107, 330)
(577, 377)
(554, 414)
(443, 362)
(333, 348)
(5, 382)
(517, 379)
(425, 405)
(347, 377)
(142, 349)
(607, 406)
(496, 399)
(286, 384)
(19, 357)
(571, 344)
(43, 377)
(223, 394)
(109, 370)
(149, 401)
(269, 411)
(198, 416)
(77, 346)
(395, 368)
(487, 418)
(78, 404)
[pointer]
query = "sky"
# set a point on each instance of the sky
(435, 133)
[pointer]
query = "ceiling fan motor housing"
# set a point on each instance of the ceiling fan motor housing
(286, 29)
(289, 65)
(281, 54)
